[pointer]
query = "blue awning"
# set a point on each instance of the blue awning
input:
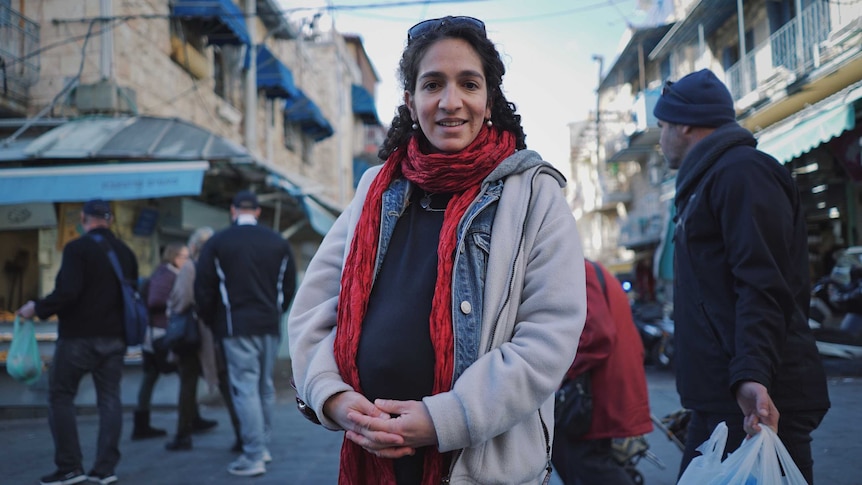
(112, 181)
(273, 77)
(303, 111)
(363, 105)
(224, 21)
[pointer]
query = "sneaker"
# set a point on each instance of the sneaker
(244, 467)
(101, 478)
(64, 478)
(266, 456)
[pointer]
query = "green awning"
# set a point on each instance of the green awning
(666, 247)
(789, 140)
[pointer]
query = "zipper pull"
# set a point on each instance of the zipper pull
(548, 476)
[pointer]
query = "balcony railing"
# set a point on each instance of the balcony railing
(19, 66)
(639, 231)
(792, 50)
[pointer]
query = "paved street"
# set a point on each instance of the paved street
(306, 454)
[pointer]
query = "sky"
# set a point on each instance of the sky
(547, 46)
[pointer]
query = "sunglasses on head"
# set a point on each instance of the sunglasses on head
(667, 91)
(429, 25)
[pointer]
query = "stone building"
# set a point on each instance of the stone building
(168, 108)
(794, 69)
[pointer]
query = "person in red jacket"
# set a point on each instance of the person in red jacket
(611, 348)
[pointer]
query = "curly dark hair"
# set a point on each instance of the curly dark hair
(502, 111)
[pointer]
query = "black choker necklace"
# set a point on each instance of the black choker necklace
(425, 203)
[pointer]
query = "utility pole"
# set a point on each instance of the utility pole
(250, 127)
(106, 54)
(601, 60)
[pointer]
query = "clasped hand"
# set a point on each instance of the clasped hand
(385, 428)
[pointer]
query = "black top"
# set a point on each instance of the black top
(741, 287)
(395, 356)
(258, 270)
(87, 297)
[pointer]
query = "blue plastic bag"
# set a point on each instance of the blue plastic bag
(758, 461)
(23, 362)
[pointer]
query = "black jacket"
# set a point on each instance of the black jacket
(250, 270)
(87, 297)
(741, 285)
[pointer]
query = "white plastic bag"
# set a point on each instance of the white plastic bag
(707, 466)
(758, 461)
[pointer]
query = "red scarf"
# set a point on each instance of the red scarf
(459, 173)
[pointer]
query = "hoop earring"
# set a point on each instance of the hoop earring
(489, 123)
(414, 126)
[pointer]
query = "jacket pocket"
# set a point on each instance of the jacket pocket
(514, 457)
(720, 341)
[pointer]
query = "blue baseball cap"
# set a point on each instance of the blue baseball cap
(98, 208)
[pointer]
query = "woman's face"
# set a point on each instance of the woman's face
(181, 258)
(450, 103)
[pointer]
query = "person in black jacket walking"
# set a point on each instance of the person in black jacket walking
(744, 350)
(88, 300)
(246, 279)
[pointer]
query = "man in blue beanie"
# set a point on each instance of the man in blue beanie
(744, 350)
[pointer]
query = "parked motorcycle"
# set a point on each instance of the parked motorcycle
(835, 317)
(656, 331)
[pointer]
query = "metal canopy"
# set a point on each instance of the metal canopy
(627, 63)
(131, 138)
(711, 14)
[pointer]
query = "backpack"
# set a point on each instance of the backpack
(573, 401)
(136, 316)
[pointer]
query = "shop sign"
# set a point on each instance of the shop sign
(27, 216)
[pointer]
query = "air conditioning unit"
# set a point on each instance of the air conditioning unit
(642, 109)
(105, 97)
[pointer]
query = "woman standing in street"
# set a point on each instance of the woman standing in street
(444, 306)
(192, 362)
(174, 256)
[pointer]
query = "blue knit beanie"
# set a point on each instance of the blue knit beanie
(698, 99)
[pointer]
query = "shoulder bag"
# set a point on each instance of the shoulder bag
(181, 333)
(136, 316)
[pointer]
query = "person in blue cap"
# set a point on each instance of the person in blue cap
(744, 351)
(88, 300)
